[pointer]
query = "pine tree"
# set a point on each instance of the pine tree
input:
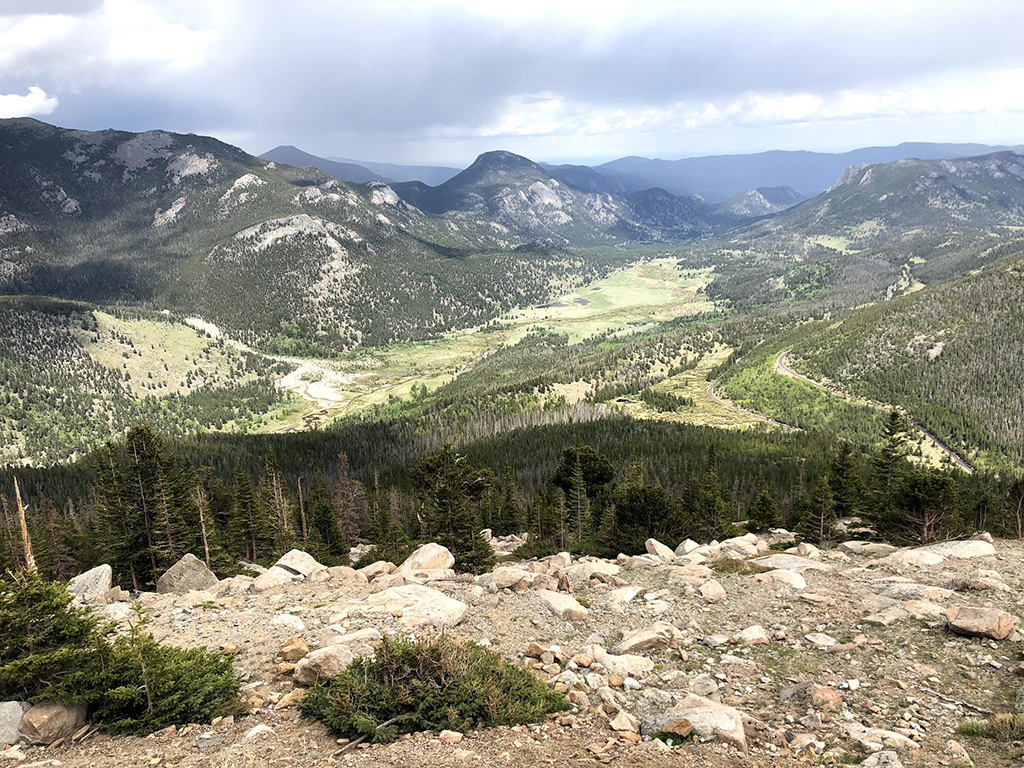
(764, 513)
(277, 504)
(251, 532)
(818, 526)
(329, 544)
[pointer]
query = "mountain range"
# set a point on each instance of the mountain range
(716, 178)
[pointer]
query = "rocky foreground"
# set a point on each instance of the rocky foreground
(733, 653)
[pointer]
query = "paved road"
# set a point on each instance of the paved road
(783, 368)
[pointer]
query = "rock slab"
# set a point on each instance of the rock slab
(93, 583)
(981, 622)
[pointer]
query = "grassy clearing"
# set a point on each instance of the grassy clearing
(160, 356)
(627, 301)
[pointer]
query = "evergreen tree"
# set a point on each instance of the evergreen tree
(451, 487)
(818, 526)
(330, 546)
(847, 485)
(278, 507)
(251, 531)
(764, 513)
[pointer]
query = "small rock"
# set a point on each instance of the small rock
(712, 591)
(259, 730)
(956, 751)
(885, 759)
(625, 722)
(450, 737)
(562, 605)
(293, 650)
(821, 640)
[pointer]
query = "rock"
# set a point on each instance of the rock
(93, 583)
(302, 564)
(11, 713)
(428, 557)
(290, 699)
(877, 739)
(379, 568)
(804, 549)
(641, 561)
(655, 638)
(914, 557)
(821, 640)
(786, 578)
(344, 573)
(622, 665)
(625, 722)
(562, 605)
(956, 751)
(961, 549)
(911, 591)
(290, 621)
(790, 563)
(273, 577)
(260, 730)
(686, 548)
(659, 550)
(884, 759)
(890, 615)
(981, 622)
(694, 574)
(504, 578)
(325, 663)
(924, 609)
(449, 737)
(366, 635)
(877, 549)
(754, 635)
(45, 723)
(189, 573)
(116, 595)
(293, 650)
(416, 605)
(582, 573)
(708, 718)
(712, 591)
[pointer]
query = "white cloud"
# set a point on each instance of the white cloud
(35, 102)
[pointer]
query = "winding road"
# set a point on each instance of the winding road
(783, 368)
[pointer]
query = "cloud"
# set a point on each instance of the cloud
(36, 102)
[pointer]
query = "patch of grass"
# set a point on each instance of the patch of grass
(743, 567)
(431, 683)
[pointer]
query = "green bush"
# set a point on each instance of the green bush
(431, 683)
(52, 650)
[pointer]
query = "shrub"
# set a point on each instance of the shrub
(430, 683)
(51, 649)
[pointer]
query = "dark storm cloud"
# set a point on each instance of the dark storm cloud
(326, 75)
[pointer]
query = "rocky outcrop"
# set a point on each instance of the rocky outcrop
(93, 583)
(51, 721)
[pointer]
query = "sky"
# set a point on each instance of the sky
(440, 81)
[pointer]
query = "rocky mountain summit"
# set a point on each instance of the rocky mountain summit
(741, 651)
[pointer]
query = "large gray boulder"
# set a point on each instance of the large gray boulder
(414, 605)
(564, 606)
(93, 583)
(189, 573)
(11, 713)
(47, 722)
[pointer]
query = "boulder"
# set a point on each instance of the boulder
(693, 574)
(189, 573)
(709, 719)
(11, 713)
(877, 739)
(659, 550)
(345, 573)
(45, 723)
(581, 573)
(754, 635)
(911, 591)
(325, 663)
(658, 636)
(303, 564)
(918, 558)
(790, 563)
(416, 605)
(504, 578)
(93, 583)
(379, 568)
(961, 549)
(562, 605)
(686, 548)
(293, 650)
(786, 578)
(273, 577)
(712, 591)
(429, 557)
(623, 665)
(884, 759)
(981, 622)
